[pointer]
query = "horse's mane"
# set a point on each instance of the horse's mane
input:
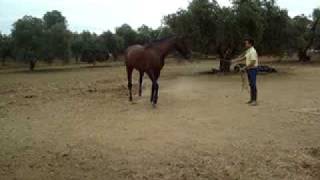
(155, 42)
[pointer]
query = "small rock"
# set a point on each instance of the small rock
(65, 154)
(12, 102)
(2, 105)
(92, 90)
(305, 165)
(29, 96)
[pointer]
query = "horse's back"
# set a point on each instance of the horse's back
(134, 48)
(140, 57)
(133, 52)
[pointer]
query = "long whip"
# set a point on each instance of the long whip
(244, 84)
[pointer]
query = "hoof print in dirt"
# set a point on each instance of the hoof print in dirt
(29, 96)
(92, 90)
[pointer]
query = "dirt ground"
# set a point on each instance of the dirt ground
(76, 123)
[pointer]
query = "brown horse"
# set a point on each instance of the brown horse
(150, 59)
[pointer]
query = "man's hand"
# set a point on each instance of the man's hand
(243, 69)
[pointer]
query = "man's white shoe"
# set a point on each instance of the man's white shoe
(253, 103)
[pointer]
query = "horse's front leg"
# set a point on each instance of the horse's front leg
(140, 82)
(152, 78)
(155, 94)
(156, 88)
(152, 92)
(129, 73)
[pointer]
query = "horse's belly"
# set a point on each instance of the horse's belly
(144, 65)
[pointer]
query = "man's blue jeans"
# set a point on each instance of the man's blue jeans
(252, 77)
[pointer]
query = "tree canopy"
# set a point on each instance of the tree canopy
(212, 29)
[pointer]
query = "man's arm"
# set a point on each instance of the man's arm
(239, 59)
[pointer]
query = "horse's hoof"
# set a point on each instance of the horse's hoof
(154, 105)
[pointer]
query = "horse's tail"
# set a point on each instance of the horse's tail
(126, 56)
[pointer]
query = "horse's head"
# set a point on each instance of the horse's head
(182, 46)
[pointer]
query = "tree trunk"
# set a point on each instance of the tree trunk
(115, 56)
(32, 64)
(225, 65)
(303, 56)
(225, 61)
(3, 62)
(94, 62)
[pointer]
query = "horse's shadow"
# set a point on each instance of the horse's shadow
(217, 73)
(233, 73)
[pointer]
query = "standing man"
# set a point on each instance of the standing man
(251, 59)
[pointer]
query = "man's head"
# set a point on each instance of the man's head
(248, 43)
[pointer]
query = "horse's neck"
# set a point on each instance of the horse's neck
(166, 47)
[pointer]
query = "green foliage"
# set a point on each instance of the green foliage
(42, 39)
(90, 47)
(179, 22)
(316, 14)
(76, 46)
(57, 37)
(199, 21)
(211, 28)
(54, 17)
(249, 17)
(275, 39)
(129, 35)
(298, 32)
(145, 34)
(6, 47)
(162, 32)
(112, 42)
(317, 37)
(215, 29)
(28, 37)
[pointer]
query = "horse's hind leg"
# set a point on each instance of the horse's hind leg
(151, 76)
(140, 82)
(156, 88)
(152, 93)
(129, 73)
(155, 94)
